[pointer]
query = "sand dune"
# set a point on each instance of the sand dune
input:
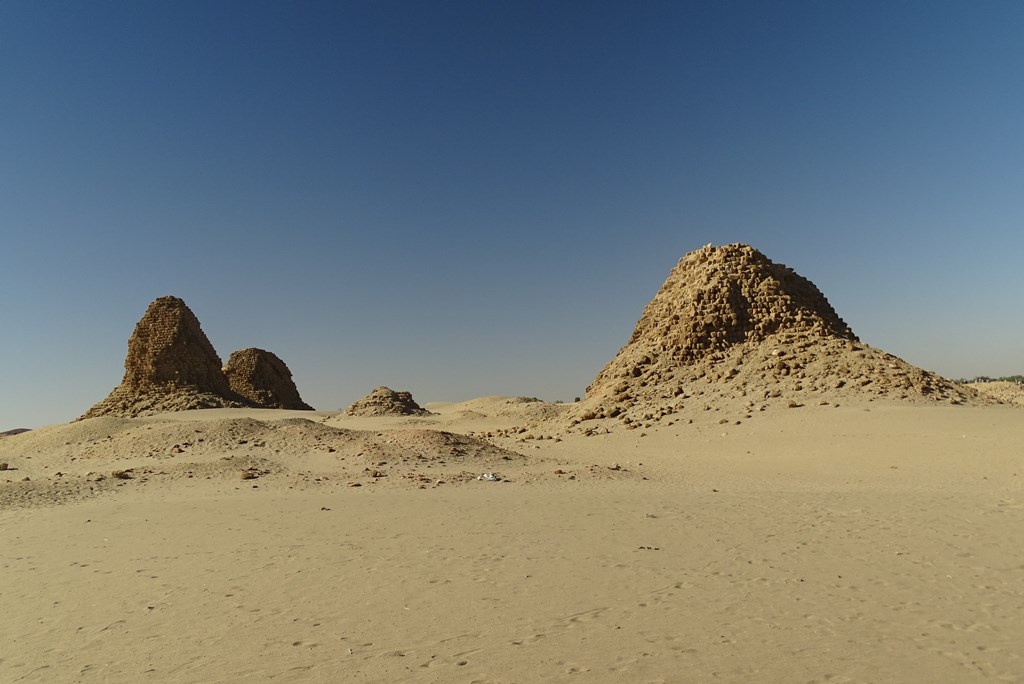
(860, 543)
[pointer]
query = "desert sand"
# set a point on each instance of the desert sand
(747, 493)
(871, 543)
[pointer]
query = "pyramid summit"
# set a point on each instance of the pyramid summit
(729, 322)
(718, 297)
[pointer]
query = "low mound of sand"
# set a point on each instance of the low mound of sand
(418, 455)
(524, 409)
(62, 463)
(385, 401)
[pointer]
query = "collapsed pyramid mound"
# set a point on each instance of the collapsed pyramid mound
(171, 366)
(1001, 390)
(264, 379)
(729, 321)
(384, 401)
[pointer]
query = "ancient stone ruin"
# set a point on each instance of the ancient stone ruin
(384, 401)
(719, 297)
(171, 366)
(728, 322)
(264, 379)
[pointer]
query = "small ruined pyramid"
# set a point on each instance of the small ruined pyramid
(171, 366)
(384, 401)
(730, 322)
(264, 379)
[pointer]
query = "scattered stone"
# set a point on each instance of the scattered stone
(249, 473)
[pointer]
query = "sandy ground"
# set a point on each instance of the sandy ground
(864, 543)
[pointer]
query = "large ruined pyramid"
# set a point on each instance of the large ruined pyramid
(728, 322)
(264, 379)
(171, 366)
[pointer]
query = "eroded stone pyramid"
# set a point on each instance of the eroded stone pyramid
(264, 379)
(730, 322)
(171, 366)
(384, 401)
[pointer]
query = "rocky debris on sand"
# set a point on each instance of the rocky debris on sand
(384, 401)
(252, 473)
(729, 322)
(1001, 390)
(264, 379)
(171, 366)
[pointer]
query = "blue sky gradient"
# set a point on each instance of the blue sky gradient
(470, 198)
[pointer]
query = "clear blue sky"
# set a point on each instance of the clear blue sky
(469, 198)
